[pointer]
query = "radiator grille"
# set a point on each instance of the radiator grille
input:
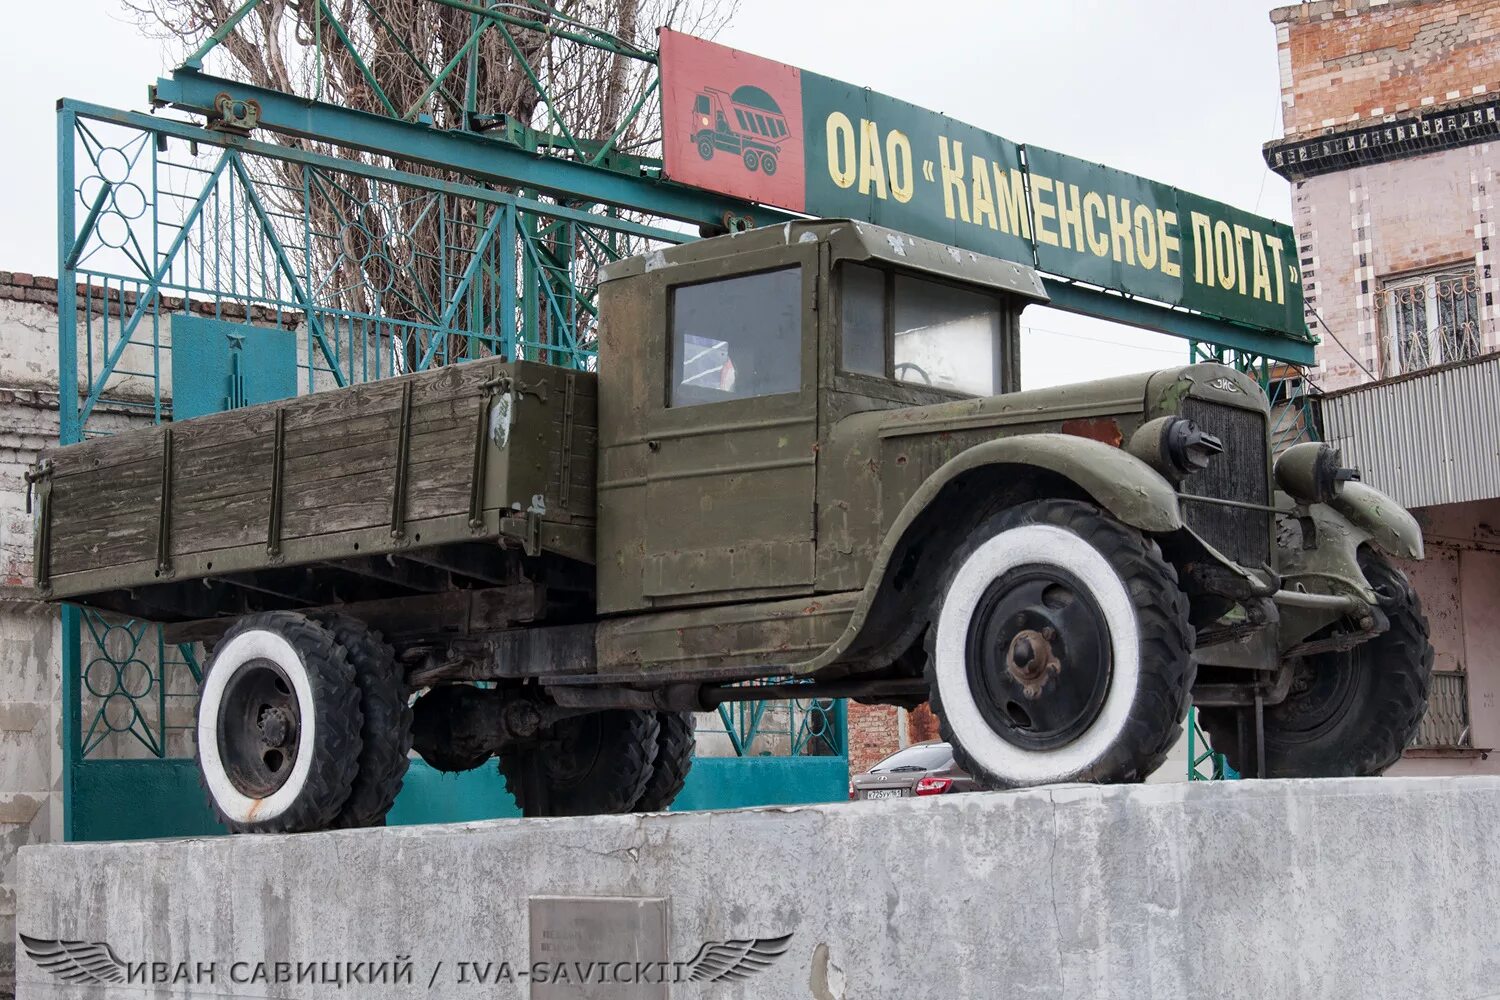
(1238, 474)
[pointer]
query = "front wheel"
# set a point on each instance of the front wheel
(1060, 649)
(1349, 713)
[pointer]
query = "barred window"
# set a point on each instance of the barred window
(1432, 318)
(1446, 724)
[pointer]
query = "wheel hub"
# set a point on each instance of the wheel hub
(1038, 657)
(259, 728)
(275, 726)
(1030, 660)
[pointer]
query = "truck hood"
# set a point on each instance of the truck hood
(1106, 409)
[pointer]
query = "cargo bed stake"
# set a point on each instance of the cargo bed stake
(278, 451)
(403, 450)
(164, 521)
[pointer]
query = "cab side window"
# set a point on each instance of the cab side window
(736, 337)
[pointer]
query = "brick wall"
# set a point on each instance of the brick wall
(1358, 227)
(1346, 61)
(874, 733)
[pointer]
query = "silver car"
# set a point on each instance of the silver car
(920, 769)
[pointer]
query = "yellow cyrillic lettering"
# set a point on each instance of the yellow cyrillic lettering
(1011, 201)
(1070, 216)
(1241, 234)
(1093, 209)
(871, 166)
(981, 198)
(841, 160)
(1169, 243)
(898, 155)
(1224, 252)
(1119, 230)
(1145, 236)
(1203, 249)
(953, 179)
(1262, 286)
(1041, 210)
(1275, 245)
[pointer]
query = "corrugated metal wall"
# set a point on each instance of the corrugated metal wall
(1429, 439)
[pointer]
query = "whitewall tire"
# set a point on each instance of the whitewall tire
(278, 728)
(1059, 649)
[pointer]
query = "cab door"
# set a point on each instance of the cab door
(731, 456)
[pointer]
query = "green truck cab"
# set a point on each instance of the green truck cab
(803, 468)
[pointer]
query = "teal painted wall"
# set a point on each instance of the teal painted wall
(142, 799)
(139, 800)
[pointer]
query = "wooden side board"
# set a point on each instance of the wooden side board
(403, 463)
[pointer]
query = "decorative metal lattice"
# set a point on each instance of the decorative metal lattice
(1432, 318)
(378, 271)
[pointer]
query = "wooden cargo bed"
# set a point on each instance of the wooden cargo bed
(401, 486)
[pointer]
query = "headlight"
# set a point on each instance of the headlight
(1174, 446)
(1311, 472)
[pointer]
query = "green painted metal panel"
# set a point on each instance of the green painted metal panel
(1179, 323)
(734, 782)
(1096, 224)
(430, 796)
(139, 800)
(848, 151)
(232, 365)
(143, 799)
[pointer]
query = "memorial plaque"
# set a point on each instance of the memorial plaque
(596, 947)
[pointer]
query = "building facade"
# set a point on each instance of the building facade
(1391, 140)
(1391, 109)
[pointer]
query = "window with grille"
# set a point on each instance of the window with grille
(1432, 318)
(1446, 724)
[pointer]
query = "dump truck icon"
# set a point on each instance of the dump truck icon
(747, 123)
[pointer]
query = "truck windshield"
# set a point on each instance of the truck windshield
(915, 330)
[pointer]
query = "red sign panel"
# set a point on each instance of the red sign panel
(733, 122)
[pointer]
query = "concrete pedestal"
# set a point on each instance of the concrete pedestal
(1278, 889)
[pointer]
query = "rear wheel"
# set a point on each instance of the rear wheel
(674, 758)
(1060, 649)
(752, 160)
(278, 727)
(768, 164)
(385, 735)
(586, 765)
(1351, 712)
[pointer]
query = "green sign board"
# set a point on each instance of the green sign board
(770, 133)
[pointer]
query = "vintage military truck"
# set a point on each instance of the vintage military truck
(803, 468)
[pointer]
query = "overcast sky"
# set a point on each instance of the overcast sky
(1181, 91)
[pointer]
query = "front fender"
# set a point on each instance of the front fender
(1119, 482)
(1390, 526)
